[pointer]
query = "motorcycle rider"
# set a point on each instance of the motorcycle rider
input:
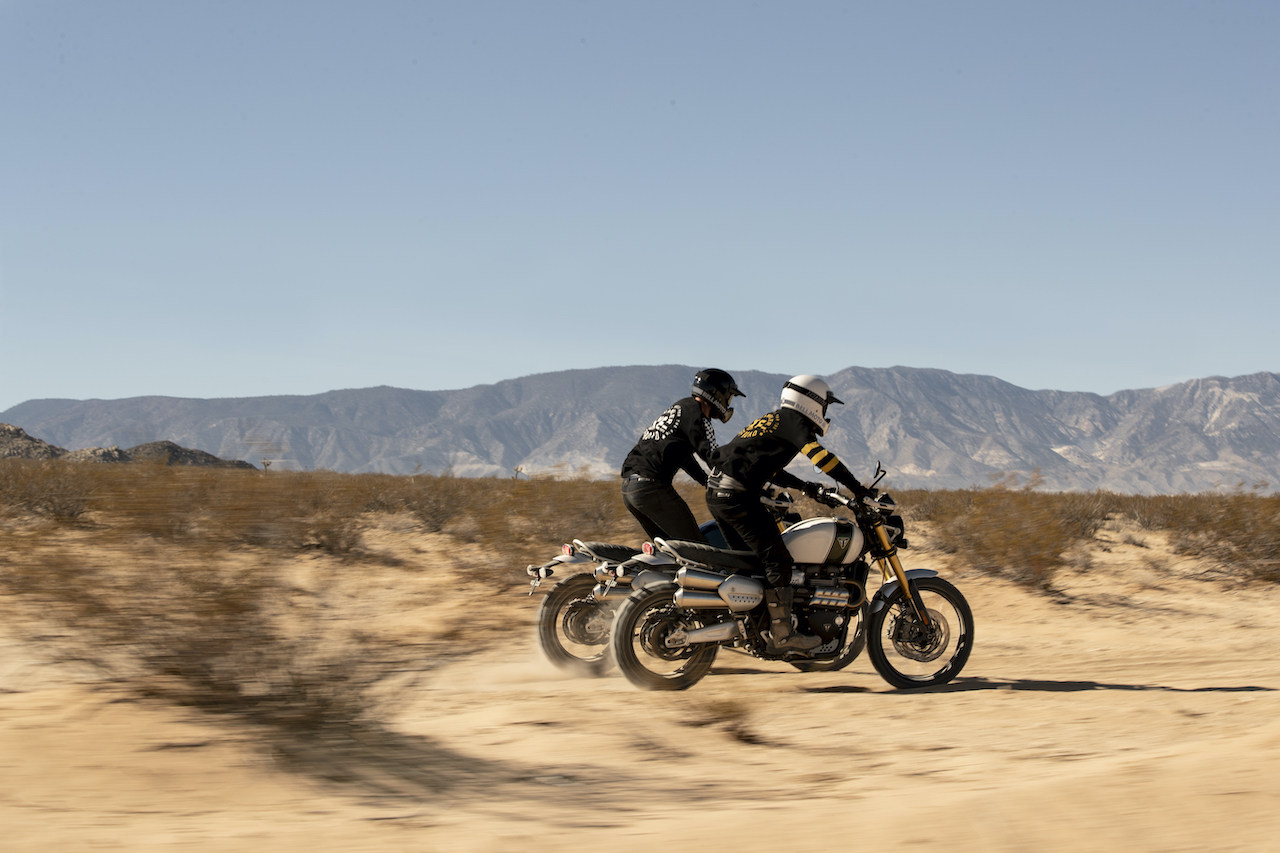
(676, 440)
(743, 468)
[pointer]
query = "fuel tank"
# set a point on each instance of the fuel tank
(824, 540)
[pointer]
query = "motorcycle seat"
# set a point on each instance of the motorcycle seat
(708, 555)
(604, 552)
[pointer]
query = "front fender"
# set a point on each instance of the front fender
(882, 595)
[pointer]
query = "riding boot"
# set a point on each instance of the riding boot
(781, 636)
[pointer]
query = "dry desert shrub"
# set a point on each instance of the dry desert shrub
(226, 636)
(175, 581)
(519, 519)
(172, 578)
(1028, 536)
(1239, 531)
(48, 488)
(1022, 535)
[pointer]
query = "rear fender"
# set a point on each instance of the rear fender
(882, 595)
(547, 569)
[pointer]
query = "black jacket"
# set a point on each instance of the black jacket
(677, 439)
(759, 453)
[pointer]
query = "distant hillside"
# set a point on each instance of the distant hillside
(16, 444)
(930, 428)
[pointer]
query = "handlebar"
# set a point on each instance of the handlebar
(832, 497)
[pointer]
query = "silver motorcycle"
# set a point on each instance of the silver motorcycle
(918, 627)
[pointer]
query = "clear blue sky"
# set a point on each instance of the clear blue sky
(224, 199)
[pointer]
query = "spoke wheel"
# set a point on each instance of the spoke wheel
(640, 632)
(906, 652)
(573, 628)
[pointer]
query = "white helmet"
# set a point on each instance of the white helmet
(809, 395)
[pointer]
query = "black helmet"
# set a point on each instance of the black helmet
(718, 389)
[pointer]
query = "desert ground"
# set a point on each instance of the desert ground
(1136, 709)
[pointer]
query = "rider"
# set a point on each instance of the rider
(756, 457)
(671, 443)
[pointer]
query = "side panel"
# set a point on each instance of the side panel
(649, 577)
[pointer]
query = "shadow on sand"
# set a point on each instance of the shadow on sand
(1039, 685)
(373, 761)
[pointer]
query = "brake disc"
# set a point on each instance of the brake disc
(586, 622)
(919, 642)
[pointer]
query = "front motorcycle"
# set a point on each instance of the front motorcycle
(918, 628)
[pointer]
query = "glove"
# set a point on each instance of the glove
(861, 492)
(812, 490)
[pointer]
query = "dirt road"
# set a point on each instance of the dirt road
(1138, 711)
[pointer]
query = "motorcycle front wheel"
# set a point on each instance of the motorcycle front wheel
(573, 627)
(906, 652)
(640, 629)
(855, 642)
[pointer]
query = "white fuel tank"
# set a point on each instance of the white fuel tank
(823, 540)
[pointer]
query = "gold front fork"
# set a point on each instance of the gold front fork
(891, 567)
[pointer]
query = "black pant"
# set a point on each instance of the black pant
(660, 510)
(748, 526)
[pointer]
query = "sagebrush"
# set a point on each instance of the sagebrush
(132, 563)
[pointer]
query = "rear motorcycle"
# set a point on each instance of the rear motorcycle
(575, 616)
(918, 627)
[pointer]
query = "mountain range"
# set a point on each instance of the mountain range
(930, 428)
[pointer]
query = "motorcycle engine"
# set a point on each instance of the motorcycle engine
(828, 610)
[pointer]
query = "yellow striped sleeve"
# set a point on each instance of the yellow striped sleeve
(824, 460)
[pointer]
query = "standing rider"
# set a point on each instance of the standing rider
(756, 457)
(677, 439)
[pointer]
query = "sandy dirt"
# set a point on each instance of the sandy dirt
(1137, 711)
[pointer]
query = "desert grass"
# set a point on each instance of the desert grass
(184, 583)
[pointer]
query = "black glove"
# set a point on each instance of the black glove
(861, 492)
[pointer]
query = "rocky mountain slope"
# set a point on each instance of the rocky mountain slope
(16, 444)
(930, 428)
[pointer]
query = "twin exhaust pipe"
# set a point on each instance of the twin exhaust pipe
(703, 590)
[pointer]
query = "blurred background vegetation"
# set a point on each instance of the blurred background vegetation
(1018, 533)
(182, 581)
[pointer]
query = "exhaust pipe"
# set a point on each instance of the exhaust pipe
(691, 578)
(697, 599)
(716, 633)
(736, 593)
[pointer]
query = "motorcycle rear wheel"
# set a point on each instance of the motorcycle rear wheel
(643, 622)
(856, 642)
(908, 654)
(573, 627)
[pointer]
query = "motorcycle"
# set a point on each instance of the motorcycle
(918, 627)
(575, 616)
